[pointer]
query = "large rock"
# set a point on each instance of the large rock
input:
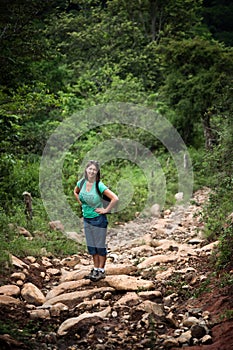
(120, 269)
(18, 263)
(74, 275)
(128, 283)
(111, 269)
(71, 261)
(150, 295)
(90, 304)
(32, 294)
(74, 298)
(157, 259)
(210, 247)
(166, 244)
(66, 287)
(151, 308)
(130, 298)
(10, 289)
(7, 300)
(71, 322)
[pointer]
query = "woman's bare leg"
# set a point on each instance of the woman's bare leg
(96, 260)
(102, 261)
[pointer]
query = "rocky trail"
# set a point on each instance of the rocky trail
(159, 293)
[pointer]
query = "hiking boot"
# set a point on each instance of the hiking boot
(91, 274)
(99, 275)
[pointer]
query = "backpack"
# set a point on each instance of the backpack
(105, 199)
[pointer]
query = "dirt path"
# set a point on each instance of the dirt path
(160, 293)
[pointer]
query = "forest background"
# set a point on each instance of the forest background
(58, 57)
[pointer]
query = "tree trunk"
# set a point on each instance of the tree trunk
(210, 139)
(153, 20)
(156, 11)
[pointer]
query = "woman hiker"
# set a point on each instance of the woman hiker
(88, 192)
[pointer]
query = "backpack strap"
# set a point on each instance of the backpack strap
(98, 190)
(82, 183)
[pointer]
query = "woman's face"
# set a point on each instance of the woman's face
(91, 171)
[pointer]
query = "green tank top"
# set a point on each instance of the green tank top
(91, 200)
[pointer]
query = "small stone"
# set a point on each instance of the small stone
(190, 321)
(177, 332)
(18, 276)
(53, 272)
(8, 300)
(36, 265)
(150, 295)
(185, 287)
(17, 262)
(198, 331)
(39, 313)
(171, 318)
(207, 339)
(155, 210)
(206, 315)
(56, 225)
(19, 283)
(196, 311)
(185, 337)
(194, 241)
(56, 309)
(107, 296)
(170, 343)
(179, 196)
(203, 278)
(51, 337)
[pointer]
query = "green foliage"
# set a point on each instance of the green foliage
(205, 287)
(22, 333)
(221, 165)
(28, 115)
(218, 224)
(42, 240)
(227, 315)
(225, 257)
(22, 175)
(218, 16)
(203, 176)
(195, 82)
(6, 234)
(226, 279)
(217, 209)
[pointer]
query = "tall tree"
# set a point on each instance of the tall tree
(218, 16)
(196, 73)
(22, 40)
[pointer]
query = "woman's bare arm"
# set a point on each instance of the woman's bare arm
(76, 194)
(113, 202)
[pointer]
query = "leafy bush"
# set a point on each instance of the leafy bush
(40, 240)
(225, 255)
(218, 225)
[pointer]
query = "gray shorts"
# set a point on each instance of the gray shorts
(95, 232)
